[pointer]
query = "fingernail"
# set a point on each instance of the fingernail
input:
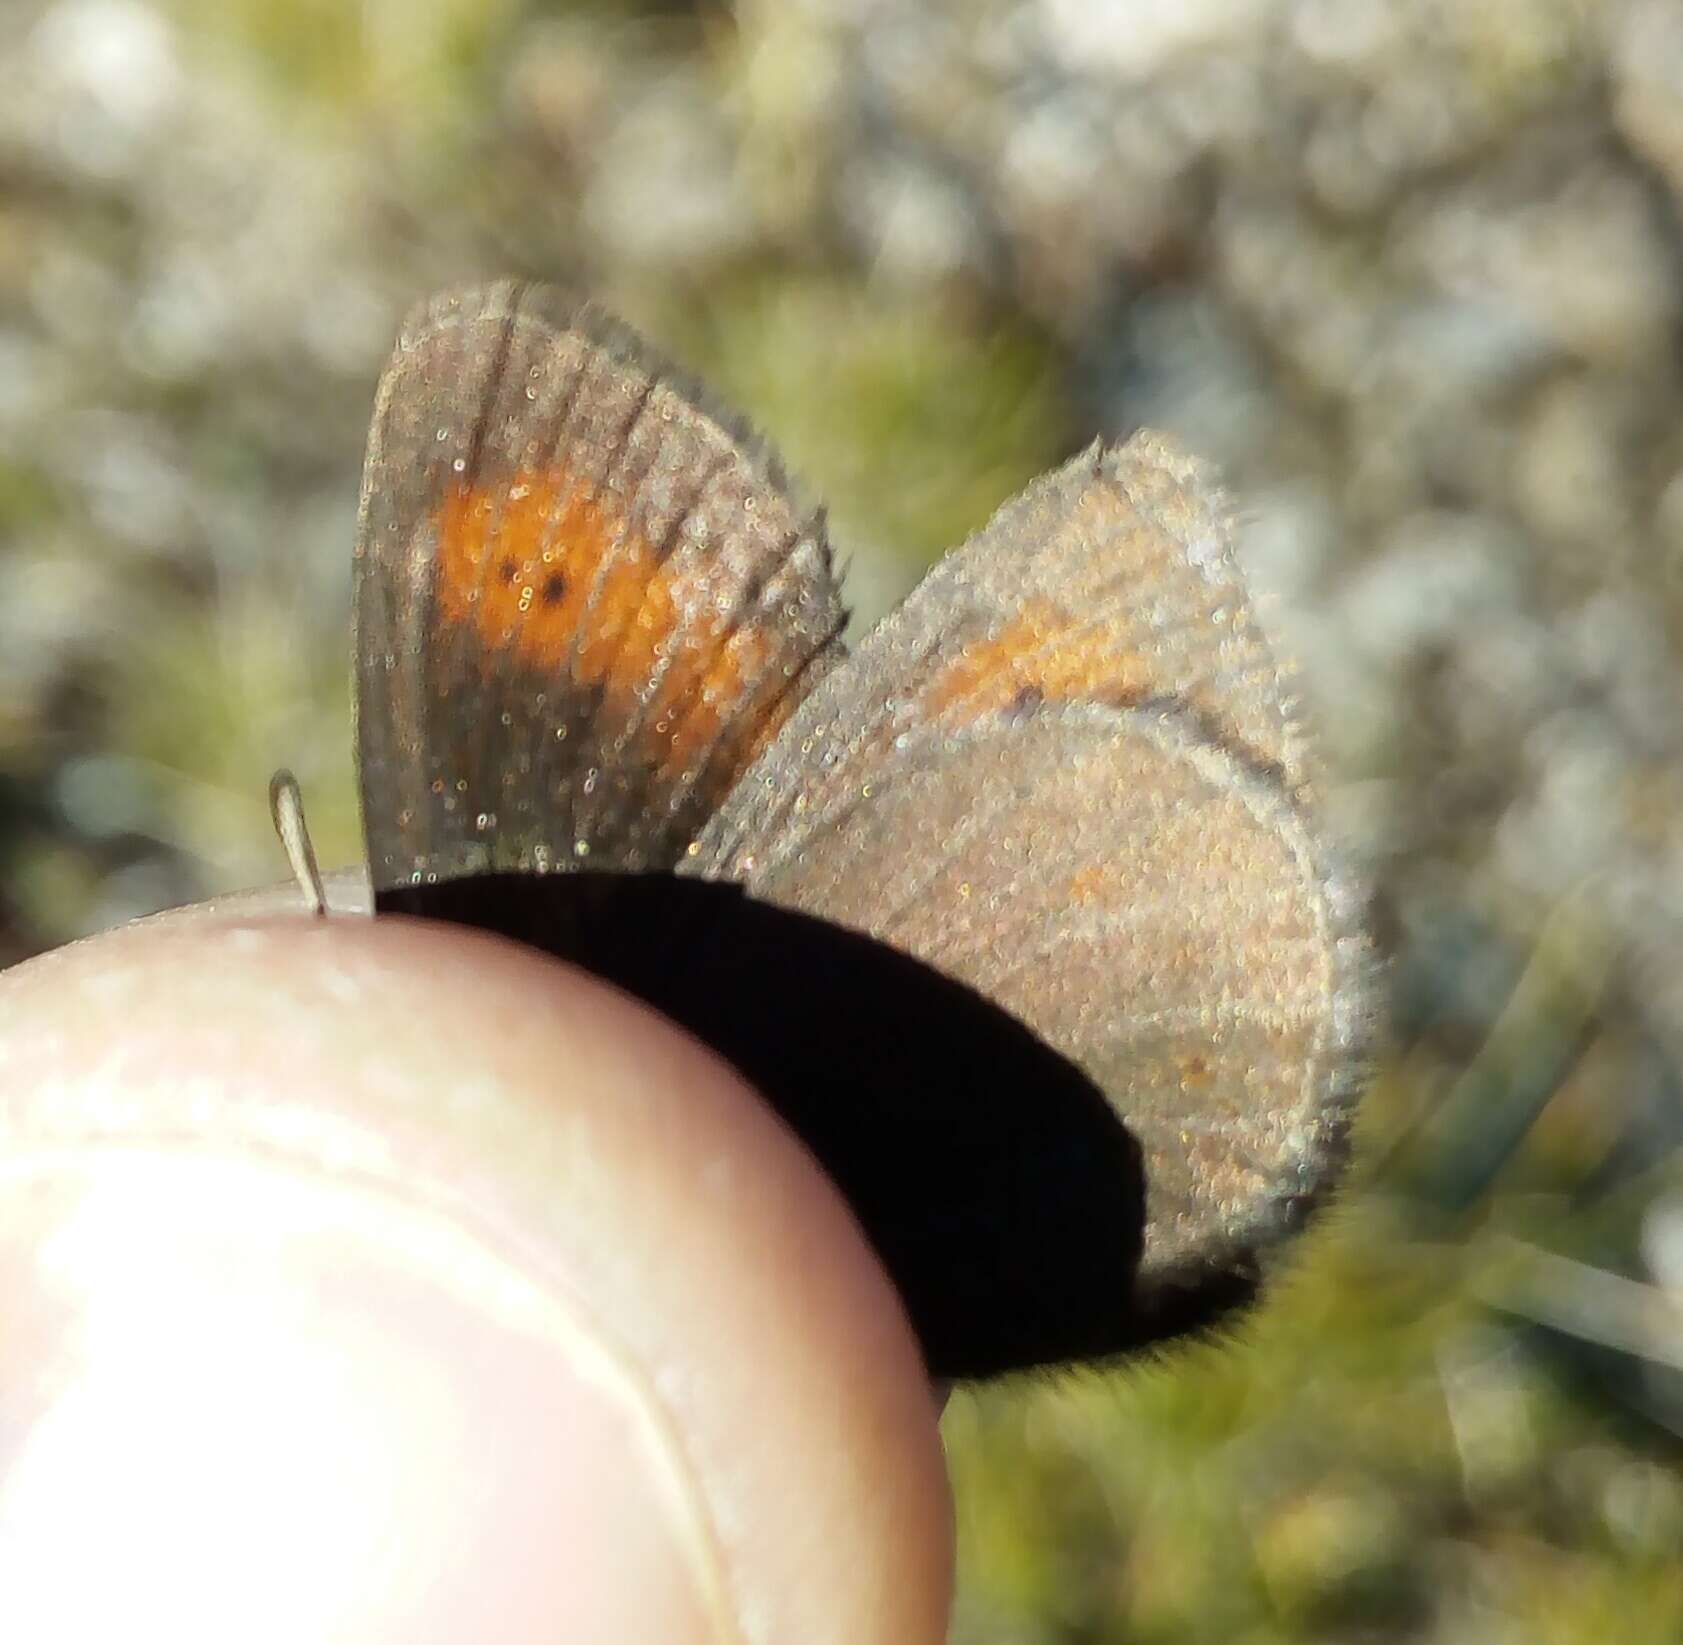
(243, 1400)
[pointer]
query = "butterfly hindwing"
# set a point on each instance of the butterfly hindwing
(584, 601)
(1068, 773)
(1111, 579)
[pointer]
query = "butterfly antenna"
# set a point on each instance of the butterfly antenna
(286, 806)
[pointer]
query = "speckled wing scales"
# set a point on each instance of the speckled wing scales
(1069, 773)
(1111, 579)
(584, 600)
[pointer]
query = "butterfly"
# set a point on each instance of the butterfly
(1023, 913)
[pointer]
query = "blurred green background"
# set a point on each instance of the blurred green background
(1408, 270)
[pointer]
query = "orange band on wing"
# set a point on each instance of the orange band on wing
(520, 561)
(702, 697)
(550, 571)
(1043, 654)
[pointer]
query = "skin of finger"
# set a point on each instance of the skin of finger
(694, 1243)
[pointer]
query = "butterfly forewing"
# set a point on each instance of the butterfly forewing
(584, 601)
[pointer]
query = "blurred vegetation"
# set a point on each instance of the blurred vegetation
(1410, 272)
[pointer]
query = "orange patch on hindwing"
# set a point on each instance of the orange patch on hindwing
(1093, 884)
(1042, 654)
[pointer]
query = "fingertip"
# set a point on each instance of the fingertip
(639, 1336)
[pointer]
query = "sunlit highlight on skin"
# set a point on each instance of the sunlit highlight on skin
(198, 1367)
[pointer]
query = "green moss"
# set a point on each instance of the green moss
(322, 55)
(212, 705)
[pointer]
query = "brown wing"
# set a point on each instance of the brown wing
(584, 601)
(1110, 580)
(1067, 773)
